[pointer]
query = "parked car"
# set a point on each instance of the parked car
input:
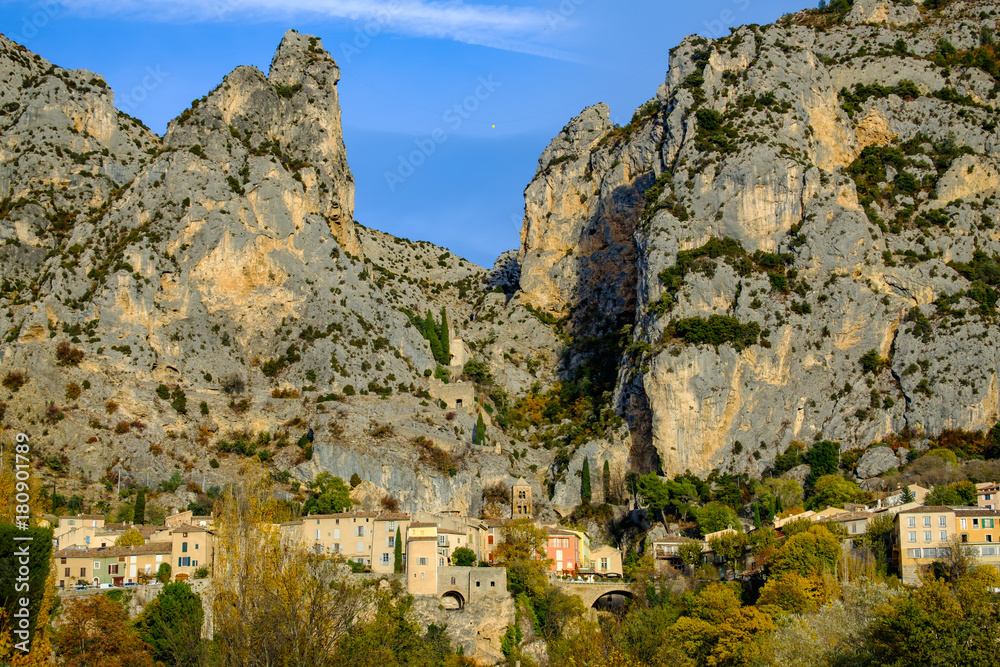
(81, 587)
(104, 586)
(130, 584)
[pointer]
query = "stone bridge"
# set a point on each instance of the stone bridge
(612, 593)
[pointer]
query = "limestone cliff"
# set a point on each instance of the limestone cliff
(829, 185)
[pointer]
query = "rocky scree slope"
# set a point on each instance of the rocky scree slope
(179, 304)
(797, 235)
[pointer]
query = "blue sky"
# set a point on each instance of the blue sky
(404, 64)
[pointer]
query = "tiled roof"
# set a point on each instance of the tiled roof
(393, 516)
(928, 508)
(112, 552)
(186, 528)
(343, 515)
(423, 525)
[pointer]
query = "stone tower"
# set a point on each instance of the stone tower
(520, 500)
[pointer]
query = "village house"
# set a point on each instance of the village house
(110, 565)
(986, 495)
(421, 558)
(192, 548)
(666, 551)
(927, 534)
(607, 561)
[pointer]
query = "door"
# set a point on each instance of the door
(117, 581)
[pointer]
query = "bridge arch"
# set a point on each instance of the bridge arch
(452, 599)
(613, 600)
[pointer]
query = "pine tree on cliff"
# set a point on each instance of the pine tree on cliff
(140, 507)
(445, 338)
(397, 566)
(585, 493)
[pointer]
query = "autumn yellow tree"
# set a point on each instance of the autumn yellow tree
(96, 633)
(130, 538)
(522, 552)
(273, 602)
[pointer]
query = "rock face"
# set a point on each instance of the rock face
(832, 183)
(218, 291)
(876, 461)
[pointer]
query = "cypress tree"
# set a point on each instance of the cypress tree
(398, 563)
(756, 515)
(140, 507)
(479, 435)
(445, 338)
(606, 480)
(585, 493)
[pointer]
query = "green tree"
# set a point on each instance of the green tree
(463, 557)
(823, 459)
(171, 625)
(834, 491)
(330, 494)
(140, 507)
(585, 492)
(397, 565)
(812, 552)
(958, 493)
(690, 553)
(445, 338)
(716, 516)
(163, 574)
(479, 435)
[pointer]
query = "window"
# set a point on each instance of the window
(440, 562)
(453, 581)
(989, 538)
(335, 548)
(113, 568)
(927, 536)
(989, 496)
(987, 523)
(390, 541)
(421, 575)
(493, 584)
(522, 495)
(83, 572)
(421, 561)
(927, 522)
(913, 536)
(385, 559)
(360, 531)
(489, 540)
(942, 521)
(911, 522)
(336, 533)
(183, 561)
(604, 563)
(184, 547)
(975, 523)
(930, 553)
(97, 566)
(67, 572)
(86, 539)
(318, 533)
(391, 527)
(988, 551)
(854, 528)
(361, 547)
(944, 536)
(965, 524)
(913, 553)
(195, 546)
(477, 584)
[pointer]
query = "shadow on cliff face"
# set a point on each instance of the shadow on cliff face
(604, 312)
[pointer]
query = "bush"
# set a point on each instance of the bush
(232, 384)
(73, 391)
(463, 557)
(122, 427)
(872, 362)
(15, 380)
(179, 402)
(163, 391)
(214, 463)
(349, 390)
(716, 330)
(66, 355)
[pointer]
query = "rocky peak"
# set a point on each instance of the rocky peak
(290, 117)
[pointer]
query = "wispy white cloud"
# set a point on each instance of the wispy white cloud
(522, 29)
